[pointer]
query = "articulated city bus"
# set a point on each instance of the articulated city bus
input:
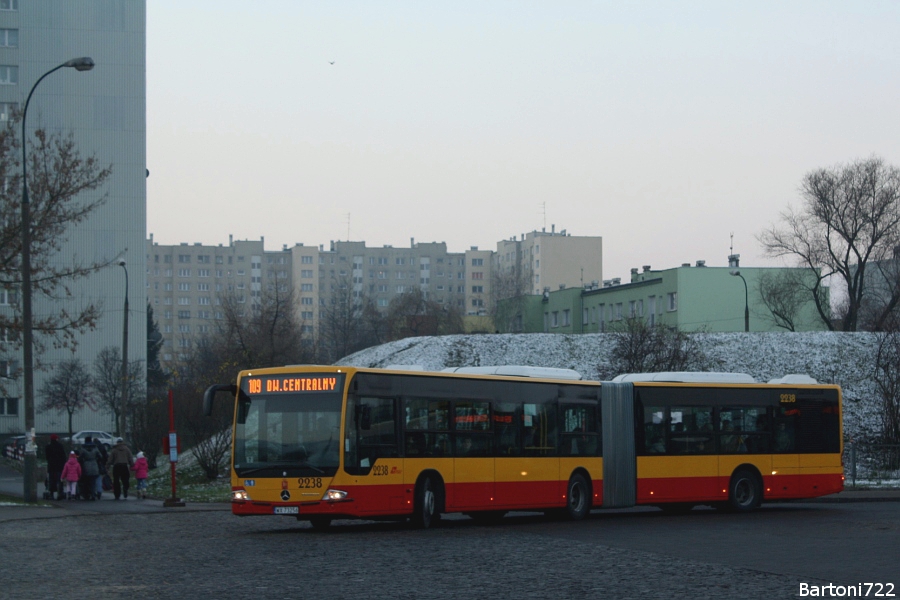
(322, 442)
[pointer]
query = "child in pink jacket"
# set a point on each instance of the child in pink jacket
(141, 468)
(71, 473)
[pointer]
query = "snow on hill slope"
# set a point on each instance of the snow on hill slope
(843, 358)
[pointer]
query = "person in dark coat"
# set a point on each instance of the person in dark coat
(102, 457)
(90, 468)
(56, 460)
(121, 459)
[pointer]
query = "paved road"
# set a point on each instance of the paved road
(137, 549)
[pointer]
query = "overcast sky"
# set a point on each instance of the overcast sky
(663, 127)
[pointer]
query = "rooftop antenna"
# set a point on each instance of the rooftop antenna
(544, 212)
(731, 248)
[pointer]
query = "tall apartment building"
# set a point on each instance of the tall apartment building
(541, 260)
(105, 110)
(384, 273)
(187, 283)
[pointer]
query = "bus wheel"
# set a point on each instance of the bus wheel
(744, 493)
(425, 513)
(320, 523)
(578, 498)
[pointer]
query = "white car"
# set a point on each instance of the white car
(99, 437)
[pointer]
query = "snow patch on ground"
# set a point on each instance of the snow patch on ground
(830, 357)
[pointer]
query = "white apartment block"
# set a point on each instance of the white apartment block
(187, 283)
(541, 260)
(105, 109)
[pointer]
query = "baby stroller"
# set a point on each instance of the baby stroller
(48, 495)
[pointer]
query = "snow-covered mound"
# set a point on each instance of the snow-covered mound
(843, 358)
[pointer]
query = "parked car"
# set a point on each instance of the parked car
(102, 437)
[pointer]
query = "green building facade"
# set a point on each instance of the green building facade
(687, 298)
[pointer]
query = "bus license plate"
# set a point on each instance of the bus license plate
(287, 510)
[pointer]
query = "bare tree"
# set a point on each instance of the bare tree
(68, 389)
(510, 287)
(349, 322)
(643, 348)
(264, 332)
(63, 193)
(107, 382)
(878, 311)
(849, 219)
(411, 314)
(784, 295)
(887, 380)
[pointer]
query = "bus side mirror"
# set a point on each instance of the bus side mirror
(365, 417)
(210, 394)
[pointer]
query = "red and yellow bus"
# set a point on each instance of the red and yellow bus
(322, 443)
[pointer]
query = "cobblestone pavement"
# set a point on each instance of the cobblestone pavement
(212, 554)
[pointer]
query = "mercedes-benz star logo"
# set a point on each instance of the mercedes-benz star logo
(285, 495)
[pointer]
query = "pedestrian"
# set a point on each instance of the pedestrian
(71, 473)
(90, 468)
(141, 468)
(56, 460)
(102, 458)
(121, 459)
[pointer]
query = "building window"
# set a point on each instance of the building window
(306, 287)
(477, 289)
(9, 407)
(306, 260)
(203, 300)
(672, 298)
(382, 302)
(202, 272)
(554, 319)
(9, 38)
(184, 287)
(306, 315)
(184, 258)
(184, 301)
(306, 300)
(7, 109)
(306, 274)
(203, 287)
(9, 75)
(184, 314)
(477, 262)
(184, 272)
(567, 320)
(477, 275)
(9, 4)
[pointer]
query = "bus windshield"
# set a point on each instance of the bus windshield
(289, 434)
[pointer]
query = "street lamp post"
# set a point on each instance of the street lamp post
(737, 273)
(30, 485)
(121, 423)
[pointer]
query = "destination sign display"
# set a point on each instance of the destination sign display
(276, 384)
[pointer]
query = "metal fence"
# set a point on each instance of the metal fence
(866, 463)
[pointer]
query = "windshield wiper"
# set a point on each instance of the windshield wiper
(280, 466)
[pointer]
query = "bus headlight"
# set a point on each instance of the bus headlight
(332, 495)
(240, 496)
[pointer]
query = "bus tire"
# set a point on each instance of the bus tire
(744, 491)
(320, 523)
(578, 497)
(425, 512)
